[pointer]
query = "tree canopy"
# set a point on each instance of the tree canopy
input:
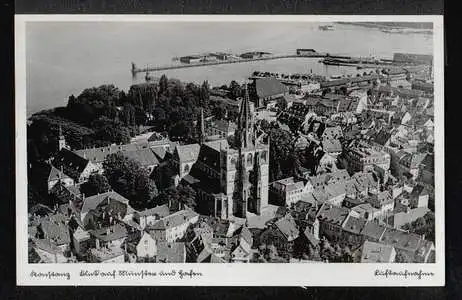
(97, 183)
(130, 179)
(281, 152)
(423, 226)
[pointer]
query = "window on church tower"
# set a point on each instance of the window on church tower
(249, 159)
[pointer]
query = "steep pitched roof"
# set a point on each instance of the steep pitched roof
(311, 237)
(56, 174)
(174, 220)
(209, 155)
(110, 233)
(401, 239)
(382, 137)
(354, 225)
(246, 235)
(55, 229)
(47, 246)
(373, 230)
(364, 180)
(161, 210)
(92, 202)
(159, 152)
(376, 253)
(188, 153)
(269, 86)
(145, 157)
(40, 209)
(332, 132)
(382, 198)
(288, 228)
(331, 145)
(428, 163)
(413, 160)
(335, 189)
(171, 252)
(72, 164)
(98, 155)
(333, 214)
(401, 218)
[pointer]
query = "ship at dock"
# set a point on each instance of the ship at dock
(326, 27)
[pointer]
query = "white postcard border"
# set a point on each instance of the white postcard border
(316, 274)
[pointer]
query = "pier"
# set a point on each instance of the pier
(136, 70)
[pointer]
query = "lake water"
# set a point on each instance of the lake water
(65, 58)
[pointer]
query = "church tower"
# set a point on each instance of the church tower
(244, 169)
(61, 140)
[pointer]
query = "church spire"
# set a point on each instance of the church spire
(60, 129)
(244, 126)
(201, 127)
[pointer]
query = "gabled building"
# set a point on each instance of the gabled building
(372, 252)
(243, 252)
(381, 201)
(171, 252)
(287, 191)
(365, 182)
(56, 176)
(173, 227)
(331, 219)
(108, 244)
(352, 228)
(74, 166)
(109, 206)
(406, 216)
(146, 246)
(409, 164)
(184, 157)
(410, 247)
(97, 155)
(265, 90)
(150, 216)
(362, 158)
(373, 231)
(53, 236)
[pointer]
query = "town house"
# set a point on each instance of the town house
(108, 244)
(173, 227)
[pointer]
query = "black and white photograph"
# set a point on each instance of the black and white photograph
(210, 144)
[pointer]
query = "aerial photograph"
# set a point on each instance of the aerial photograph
(230, 142)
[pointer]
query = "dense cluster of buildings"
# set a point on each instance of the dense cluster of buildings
(372, 140)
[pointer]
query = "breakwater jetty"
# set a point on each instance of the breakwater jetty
(214, 59)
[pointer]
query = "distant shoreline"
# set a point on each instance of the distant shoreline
(419, 27)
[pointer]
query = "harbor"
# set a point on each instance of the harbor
(220, 58)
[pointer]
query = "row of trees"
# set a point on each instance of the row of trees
(102, 115)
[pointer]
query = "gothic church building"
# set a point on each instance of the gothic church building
(232, 180)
